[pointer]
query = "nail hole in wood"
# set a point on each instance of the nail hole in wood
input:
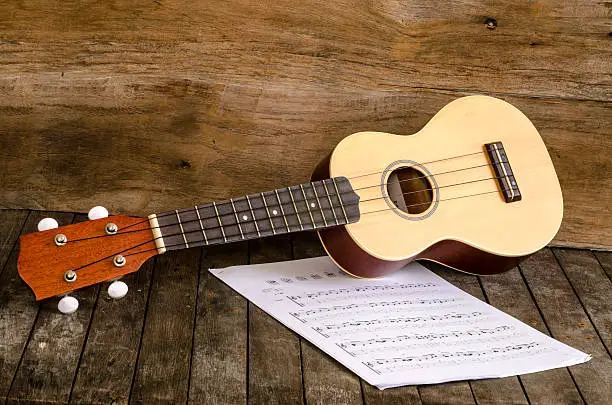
(491, 23)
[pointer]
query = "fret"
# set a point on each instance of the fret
(237, 220)
(317, 214)
(297, 214)
(314, 189)
(340, 199)
(314, 225)
(201, 225)
(331, 206)
(178, 217)
(220, 223)
(253, 215)
(263, 199)
(280, 205)
(257, 215)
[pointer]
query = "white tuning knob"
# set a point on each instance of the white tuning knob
(68, 305)
(117, 289)
(97, 212)
(47, 223)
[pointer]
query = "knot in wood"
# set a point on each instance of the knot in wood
(491, 23)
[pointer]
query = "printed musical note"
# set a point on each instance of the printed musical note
(412, 327)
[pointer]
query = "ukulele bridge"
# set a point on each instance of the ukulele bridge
(503, 172)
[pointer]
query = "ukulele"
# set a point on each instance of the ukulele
(474, 190)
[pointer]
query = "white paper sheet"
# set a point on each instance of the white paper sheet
(412, 327)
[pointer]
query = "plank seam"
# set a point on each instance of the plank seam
(291, 246)
(584, 309)
(363, 400)
(25, 346)
(203, 253)
(305, 398)
(248, 336)
(144, 322)
(8, 394)
(15, 242)
(600, 263)
(548, 329)
(78, 366)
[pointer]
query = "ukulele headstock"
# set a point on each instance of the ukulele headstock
(59, 260)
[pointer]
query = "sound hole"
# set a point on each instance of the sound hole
(410, 190)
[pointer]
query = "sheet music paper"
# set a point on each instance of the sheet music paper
(412, 327)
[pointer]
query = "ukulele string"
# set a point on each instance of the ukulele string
(221, 239)
(184, 210)
(349, 178)
(332, 207)
(250, 233)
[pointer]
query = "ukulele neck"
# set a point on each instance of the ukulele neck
(308, 206)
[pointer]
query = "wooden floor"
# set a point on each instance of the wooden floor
(181, 336)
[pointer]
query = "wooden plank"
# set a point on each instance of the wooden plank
(162, 371)
(508, 292)
(12, 224)
(292, 88)
(489, 391)
(275, 375)
(593, 287)
(325, 380)
(55, 343)
(113, 343)
(605, 260)
(219, 360)
(568, 323)
(18, 308)
(360, 45)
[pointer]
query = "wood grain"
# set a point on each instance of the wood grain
(275, 370)
(325, 380)
(605, 260)
(568, 323)
(18, 309)
(590, 283)
(51, 357)
(508, 293)
(12, 224)
(113, 343)
(162, 370)
(166, 104)
(219, 356)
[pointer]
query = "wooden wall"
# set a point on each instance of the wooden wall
(143, 106)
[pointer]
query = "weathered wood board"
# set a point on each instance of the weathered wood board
(182, 336)
(156, 105)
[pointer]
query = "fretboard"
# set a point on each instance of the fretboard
(307, 206)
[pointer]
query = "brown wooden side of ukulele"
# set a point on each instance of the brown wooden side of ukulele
(353, 260)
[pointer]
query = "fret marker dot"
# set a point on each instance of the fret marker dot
(312, 205)
(274, 212)
(244, 217)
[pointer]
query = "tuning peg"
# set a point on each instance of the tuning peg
(47, 223)
(117, 289)
(97, 212)
(68, 305)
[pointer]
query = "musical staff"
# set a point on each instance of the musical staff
(412, 327)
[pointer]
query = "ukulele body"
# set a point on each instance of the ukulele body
(433, 196)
